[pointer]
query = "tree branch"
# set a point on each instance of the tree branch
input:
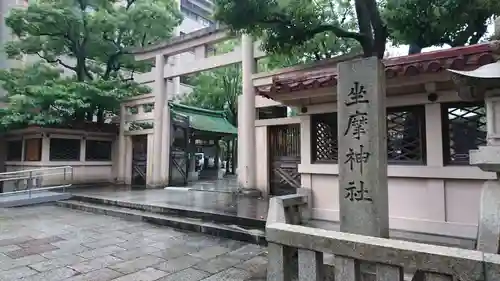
(58, 61)
(339, 32)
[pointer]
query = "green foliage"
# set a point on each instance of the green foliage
(217, 90)
(286, 25)
(303, 26)
(437, 22)
(40, 95)
(90, 40)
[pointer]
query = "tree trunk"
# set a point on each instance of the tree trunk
(100, 116)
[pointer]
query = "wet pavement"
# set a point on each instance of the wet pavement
(228, 184)
(51, 243)
(217, 201)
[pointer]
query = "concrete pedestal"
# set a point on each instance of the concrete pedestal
(193, 176)
(487, 158)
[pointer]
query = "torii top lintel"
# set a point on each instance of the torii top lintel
(183, 43)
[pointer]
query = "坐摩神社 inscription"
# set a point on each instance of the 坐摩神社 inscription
(362, 147)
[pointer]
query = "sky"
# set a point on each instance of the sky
(397, 51)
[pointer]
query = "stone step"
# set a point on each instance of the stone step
(178, 211)
(255, 236)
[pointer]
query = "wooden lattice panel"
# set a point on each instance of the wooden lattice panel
(405, 135)
(466, 130)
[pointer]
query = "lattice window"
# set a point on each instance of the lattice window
(464, 128)
(324, 138)
(97, 150)
(64, 149)
(406, 135)
(14, 150)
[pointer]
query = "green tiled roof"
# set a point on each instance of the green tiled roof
(205, 120)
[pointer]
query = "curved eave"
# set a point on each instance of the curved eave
(488, 71)
(405, 75)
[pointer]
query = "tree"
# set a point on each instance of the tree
(426, 23)
(91, 41)
(217, 90)
(285, 25)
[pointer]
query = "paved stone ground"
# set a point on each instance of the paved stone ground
(51, 243)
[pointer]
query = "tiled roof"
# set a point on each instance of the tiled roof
(459, 58)
(205, 120)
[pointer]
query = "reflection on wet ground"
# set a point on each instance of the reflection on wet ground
(210, 197)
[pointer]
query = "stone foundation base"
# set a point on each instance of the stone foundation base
(252, 192)
(193, 176)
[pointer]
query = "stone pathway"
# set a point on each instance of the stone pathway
(50, 243)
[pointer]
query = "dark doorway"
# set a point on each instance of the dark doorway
(284, 157)
(179, 150)
(139, 160)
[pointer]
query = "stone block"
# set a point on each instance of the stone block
(16, 273)
(388, 272)
(135, 253)
(6, 264)
(37, 242)
(210, 252)
(177, 264)
(362, 134)
(230, 274)
(60, 273)
(489, 218)
(404, 254)
(492, 267)
(32, 250)
(100, 252)
(147, 274)
(104, 274)
(217, 264)
(311, 266)
(189, 274)
(280, 267)
(346, 269)
(257, 267)
(95, 264)
(136, 264)
(55, 263)
(487, 158)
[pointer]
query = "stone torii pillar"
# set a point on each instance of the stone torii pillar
(472, 86)
(159, 120)
(246, 121)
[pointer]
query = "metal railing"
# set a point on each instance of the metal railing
(27, 181)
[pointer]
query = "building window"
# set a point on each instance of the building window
(324, 139)
(96, 150)
(464, 128)
(33, 149)
(14, 150)
(64, 149)
(406, 135)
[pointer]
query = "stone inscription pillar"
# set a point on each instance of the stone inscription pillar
(362, 152)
